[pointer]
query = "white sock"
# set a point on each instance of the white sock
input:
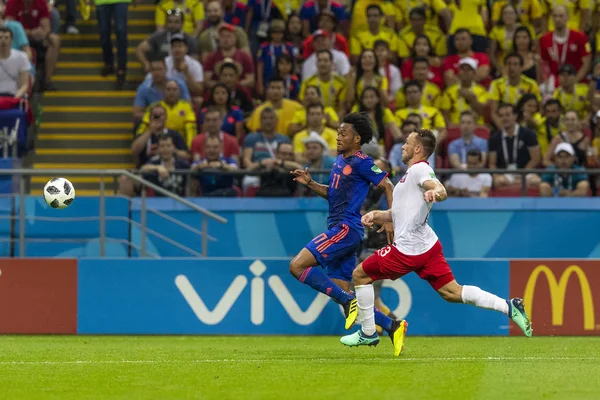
(481, 298)
(365, 297)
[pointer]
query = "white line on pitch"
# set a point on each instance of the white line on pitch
(323, 360)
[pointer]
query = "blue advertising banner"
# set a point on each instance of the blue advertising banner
(259, 296)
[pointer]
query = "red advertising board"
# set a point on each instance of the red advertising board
(562, 297)
(38, 296)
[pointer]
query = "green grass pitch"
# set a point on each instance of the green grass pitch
(275, 367)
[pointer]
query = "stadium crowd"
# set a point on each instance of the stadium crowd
(260, 86)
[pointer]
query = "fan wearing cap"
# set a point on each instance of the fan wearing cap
(312, 10)
(227, 49)
(509, 89)
(463, 42)
(260, 13)
(314, 124)
(317, 155)
(366, 38)
(185, 68)
(466, 95)
(573, 96)
(321, 41)
(208, 40)
(193, 10)
(417, 27)
(266, 57)
(328, 23)
(564, 185)
(566, 45)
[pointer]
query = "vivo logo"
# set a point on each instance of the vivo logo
(281, 292)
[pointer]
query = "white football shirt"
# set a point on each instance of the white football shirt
(412, 234)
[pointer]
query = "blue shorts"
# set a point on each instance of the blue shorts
(336, 251)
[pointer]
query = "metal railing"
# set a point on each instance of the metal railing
(102, 218)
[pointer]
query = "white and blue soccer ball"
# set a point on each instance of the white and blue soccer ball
(59, 193)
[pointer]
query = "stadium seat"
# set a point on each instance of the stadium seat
(513, 191)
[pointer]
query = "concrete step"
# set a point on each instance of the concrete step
(94, 98)
(84, 160)
(84, 166)
(74, 118)
(47, 126)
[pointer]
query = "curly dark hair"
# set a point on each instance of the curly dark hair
(361, 124)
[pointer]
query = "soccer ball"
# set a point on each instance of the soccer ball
(59, 193)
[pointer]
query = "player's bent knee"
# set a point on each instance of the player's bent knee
(360, 277)
(451, 292)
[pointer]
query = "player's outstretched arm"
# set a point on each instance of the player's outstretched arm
(303, 177)
(434, 191)
(376, 218)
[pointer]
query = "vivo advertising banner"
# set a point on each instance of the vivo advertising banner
(254, 296)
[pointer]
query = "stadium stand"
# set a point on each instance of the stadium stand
(428, 45)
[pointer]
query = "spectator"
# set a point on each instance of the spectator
(389, 70)
(381, 117)
(158, 45)
(417, 27)
(366, 74)
(217, 184)
(328, 23)
(421, 72)
(572, 96)
(398, 165)
(528, 113)
(432, 118)
(321, 42)
(294, 30)
(502, 37)
(422, 49)
(19, 38)
(577, 15)
(266, 57)
(317, 156)
(194, 19)
(259, 15)
(159, 169)
(213, 120)
(285, 69)
(285, 108)
(261, 144)
(365, 39)
(509, 89)
(209, 41)
(437, 10)
(227, 49)
(458, 149)
(524, 46)
(530, 14)
(279, 182)
(311, 13)
(314, 119)
(564, 185)
(152, 89)
(564, 46)
(234, 12)
(463, 41)
(470, 16)
(465, 95)
(185, 68)
(312, 95)
(470, 184)
(550, 126)
(146, 142)
(513, 147)
(233, 120)
(359, 14)
(180, 114)
(229, 74)
(331, 85)
(35, 19)
(573, 135)
(15, 67)
(71, 16)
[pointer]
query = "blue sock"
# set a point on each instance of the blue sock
(317, 279)
(383, 321)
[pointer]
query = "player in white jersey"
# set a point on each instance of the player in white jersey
(416, 248)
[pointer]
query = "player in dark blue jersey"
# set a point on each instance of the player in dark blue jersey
(335, 250)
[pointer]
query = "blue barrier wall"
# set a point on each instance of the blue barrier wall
(486, 228)
(253, 296)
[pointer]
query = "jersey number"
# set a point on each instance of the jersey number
(336, 181)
